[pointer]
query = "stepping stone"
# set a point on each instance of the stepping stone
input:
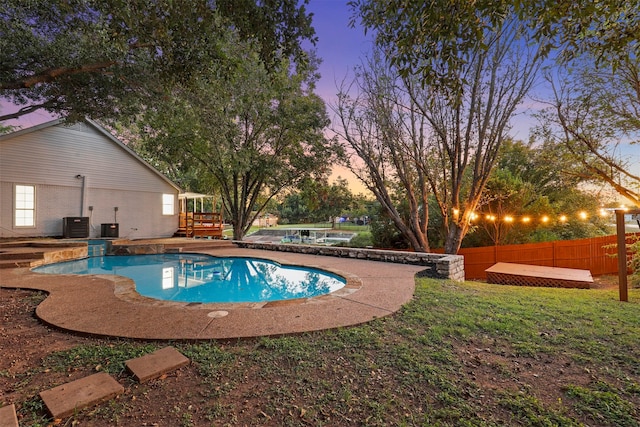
(8, 417)
(67, 399)
(156, 364)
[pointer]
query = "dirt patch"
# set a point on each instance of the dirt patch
(248, 394)
(605, 282)
(26, 343)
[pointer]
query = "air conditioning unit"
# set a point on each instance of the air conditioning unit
(109, 230)
(75, 227)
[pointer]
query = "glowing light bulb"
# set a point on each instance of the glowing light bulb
(563, 218)
(508, 218)
(583, 215)
(545, 219)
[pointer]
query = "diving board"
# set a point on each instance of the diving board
(504, 273)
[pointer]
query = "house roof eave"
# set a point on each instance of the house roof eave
(102, 131)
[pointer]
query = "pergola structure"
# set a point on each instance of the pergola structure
(198, 201)
(199, 222)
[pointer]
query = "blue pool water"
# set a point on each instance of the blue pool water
(206, 279)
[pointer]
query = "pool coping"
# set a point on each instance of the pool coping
(125, 287)
(104, 305)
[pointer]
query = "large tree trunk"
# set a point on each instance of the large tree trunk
(455, 235)
(238, 231)
(417, 239)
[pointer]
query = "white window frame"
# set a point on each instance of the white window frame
(168, 274)
(168, 207)
(24, 206)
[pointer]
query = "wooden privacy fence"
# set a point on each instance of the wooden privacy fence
(597, 254)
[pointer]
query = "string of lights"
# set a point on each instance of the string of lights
(582, 215)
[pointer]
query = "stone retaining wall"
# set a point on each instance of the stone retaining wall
(438, 265)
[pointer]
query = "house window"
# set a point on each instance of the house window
(167, 204)
(25, 206)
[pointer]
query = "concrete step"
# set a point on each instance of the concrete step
(66, 399)
(19, 263)
(156, 364)
(8, 417)
(15, 254)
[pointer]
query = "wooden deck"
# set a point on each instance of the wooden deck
(201, 224)
(504, 273)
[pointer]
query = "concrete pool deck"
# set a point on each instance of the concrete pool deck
(109, 305)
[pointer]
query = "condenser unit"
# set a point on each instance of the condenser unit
(109, 230)
(75, 227)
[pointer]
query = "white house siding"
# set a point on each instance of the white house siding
(133, 222)
(53, 157)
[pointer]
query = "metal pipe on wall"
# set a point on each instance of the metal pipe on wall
(83, 193)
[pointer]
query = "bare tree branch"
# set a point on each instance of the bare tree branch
(28, 109)
(47, 76)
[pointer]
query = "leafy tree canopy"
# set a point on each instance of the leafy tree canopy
(5, 129)
(325, 200)
(593, 113)
(105, 58)
(251, 131)
(529, 183)
(433, 38)
(293, 209)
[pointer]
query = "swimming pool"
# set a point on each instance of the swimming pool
(207, 279)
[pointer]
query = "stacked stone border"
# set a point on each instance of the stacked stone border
(440, 266)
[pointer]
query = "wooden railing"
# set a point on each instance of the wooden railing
(201, 224)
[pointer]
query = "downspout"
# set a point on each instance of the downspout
(82, 192)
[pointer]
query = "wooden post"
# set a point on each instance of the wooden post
(622, 250)
(622, 255)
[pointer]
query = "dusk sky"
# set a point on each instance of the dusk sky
(341, 48)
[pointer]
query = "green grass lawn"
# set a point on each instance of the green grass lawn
(459, 354)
